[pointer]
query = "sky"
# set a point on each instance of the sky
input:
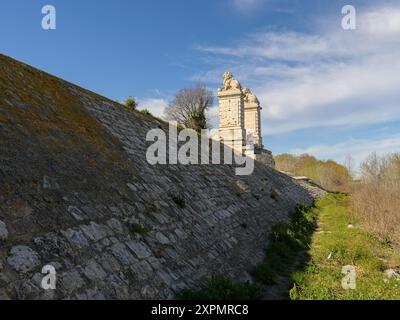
(324, 90)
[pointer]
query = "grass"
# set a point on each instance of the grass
(311, 250)
(336, 245)
(287, 242)
(220, 288)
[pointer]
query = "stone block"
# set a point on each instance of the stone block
(3, 231)
(76, 238)
(94, 231)
(139, 249)
(23, 259)
(120, 251)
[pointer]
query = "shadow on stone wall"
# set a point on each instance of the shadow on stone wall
(77, 192)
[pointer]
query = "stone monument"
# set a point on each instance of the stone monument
(252, 122)
(240, 121)
(231, 114)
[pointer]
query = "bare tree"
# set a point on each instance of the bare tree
(349, 164)
(189, 107)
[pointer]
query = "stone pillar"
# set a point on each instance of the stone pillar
(231, 114)
(252, 117)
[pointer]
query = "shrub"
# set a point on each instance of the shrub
(130, 103)
(375, 198)
(329, 174)
(145, 112)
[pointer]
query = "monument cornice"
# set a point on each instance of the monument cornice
(248, 106)
(227, 93)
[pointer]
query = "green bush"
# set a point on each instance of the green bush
(145, 112)
(130, 103)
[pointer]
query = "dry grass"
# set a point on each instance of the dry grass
(376, 198)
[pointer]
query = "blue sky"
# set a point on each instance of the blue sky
(324, 90)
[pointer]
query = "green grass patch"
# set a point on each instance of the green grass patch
(336, 245)
(313, 259)
(286, 243)
(220, 288)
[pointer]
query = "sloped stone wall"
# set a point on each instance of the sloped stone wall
(74, 179)
(265, 157)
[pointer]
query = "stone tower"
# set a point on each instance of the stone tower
(252, 121)
(231, 114)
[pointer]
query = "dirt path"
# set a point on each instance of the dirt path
(280, 290)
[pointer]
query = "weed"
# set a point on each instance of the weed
(137, 228)
(220, 288)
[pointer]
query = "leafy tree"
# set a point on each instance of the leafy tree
(131, 103)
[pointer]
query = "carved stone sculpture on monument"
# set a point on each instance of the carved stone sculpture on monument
(249, 97)
(230, 83)
(240, 120)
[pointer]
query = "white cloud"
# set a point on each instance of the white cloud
(385, 21)
(359, 92)
(331, 78)
(213, 116)
(155, 105)
(273, 45)
(359, 149)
